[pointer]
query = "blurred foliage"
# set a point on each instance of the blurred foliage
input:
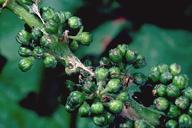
(159, 45)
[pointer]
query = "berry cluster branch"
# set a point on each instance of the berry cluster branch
(36, 22)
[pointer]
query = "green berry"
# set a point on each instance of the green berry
(115, 55)
(69, 108)
(25, 64)
(23, 37)
(74, 45)
(139, 62)
(123, 96)
(74, 22)
(180, 81)
(123, 48)
(163, 68)
(113, 85)
(159, 90)
(175, 69)
(38, 52)
(140, 124)
(154, 74)
(127, 124)
(48, 13)
(114, 72)
(131, 56)
(166, 77)
(70, 85)
(50, 61)
(24, 52)
(185, 121)
(172, 91)
(84, 38)
(139, 78)
(89, 87)
(173, 111)
(84, 109)
(76, 98)
(67, 15)
(188, 93)
(190, 110)
(171, 124)
(61, 16)
(161, 103)
(115, 106)
(100, 120)
(97, 108)
(51, 26)
(104, 61)
(182, 102)
(36, 33)
(101, 74)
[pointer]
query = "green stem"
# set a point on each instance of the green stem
(24, 14)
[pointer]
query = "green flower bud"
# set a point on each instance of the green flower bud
(36, 33)
(25, 64)
(48, 13)
(139, 62)
(74, 22)
(70, 85)
(114, 72)
(24, 52)
(131, 56)
(172, 91)
(173, 111)
(161, 103)
(115, 106)
(180, 81)
(51, 26)
(84, 38)
(190, 110)
(123, 96)
(139, 78)
(38, 52)
(182, 102)
(74, 45)
(101, 74)
(113, 85)
(175, 69)
(188, 93)
(23, 37)
(140, 124)
(115, 55)
(166, 77)
(84, 109)
(171, 124)
(104, 61)
(185, 121)
(127, 124)
(49, 61)
(163, 68)
(97, 108)
(123, 48)
(154, 75)
(67, 15)
(100, 120)
(159, 90)
(76, 98)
